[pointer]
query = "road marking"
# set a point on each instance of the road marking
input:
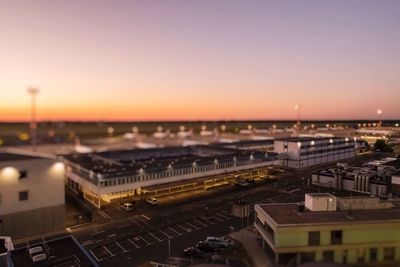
(143, 221)
(87, 242)
(105, 215)
(182, 227)
(111, 255)
(133, 243)
(123, 249)
(164, 233)
(207, 220)
(191, 225)
(223, 216)
(132, 220)
(150, 233)
(97, 233)
(125, 225)
(226, 213)
(204, 225)
(178, 233)
(146, 217)
(97, 259)
(147, 242)
(216, 218)
(111, 235)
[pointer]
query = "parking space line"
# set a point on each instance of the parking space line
(133, 243)
(178, 233)
(147, 242)
(197, 221)
(125, 225)
(226, 213)
(191, 225)
(182, 227)
(132, 220)
(143, 221)
(164, 233)
(218, 219)
(207, 220)
(223, 216)
(150, 233)
(105, 215)
(123, 249)
(97, 259)
(146, 217)
(111, 255)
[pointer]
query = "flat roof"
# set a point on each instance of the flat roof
(62, 251)
(287, 214)
(320, 195)
(7, 156)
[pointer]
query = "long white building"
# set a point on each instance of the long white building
(299, 152)
(31, 194)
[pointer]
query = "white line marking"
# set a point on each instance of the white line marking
(105, 215)
(150, 233)
(204, 225)
(182, 227)
(178, 233)
(164, 233)
(125, 225)
(226, 213)
(132, 220)
(146, 217)
(97, 259)
(123, 249)
(207, 220)
(147, 242)
(111, 255)
(191, 225)
(218, 219)
(111, 235)
(222, 215)
(133, 243)
(143, 221)
(97, 233)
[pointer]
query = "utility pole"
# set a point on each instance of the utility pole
(33, 126)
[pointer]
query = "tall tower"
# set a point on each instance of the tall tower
(297, 107)
(33, 126)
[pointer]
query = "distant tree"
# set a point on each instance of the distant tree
(382, 145)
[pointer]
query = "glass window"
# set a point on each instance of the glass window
(23, 195)
(388, 254)
(373, 254)
(327, 255)
(313, 238)
(336, 237)
(23, 174)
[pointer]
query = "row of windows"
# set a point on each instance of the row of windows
(314, 238)
(164, 174)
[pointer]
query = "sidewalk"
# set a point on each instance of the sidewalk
(254, 251)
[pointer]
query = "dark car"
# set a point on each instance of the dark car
(193, 253)
(206, 247)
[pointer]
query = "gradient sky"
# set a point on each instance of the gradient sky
(150, 60)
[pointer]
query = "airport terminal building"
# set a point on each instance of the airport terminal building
(104, 176)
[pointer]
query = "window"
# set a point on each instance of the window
(373, 254)
(313, 238)
(23, 174)
(336, 237)
(23, 195)
(327, 255)
(388, 254)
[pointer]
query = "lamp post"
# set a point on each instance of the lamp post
(379, 112)
(32, 91)
(297, 107)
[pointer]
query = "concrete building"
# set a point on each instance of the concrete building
(102, 177)
(31, 194)
(359, 230)
(375, 177)
(299, 152)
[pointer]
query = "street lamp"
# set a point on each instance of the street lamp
(33, 91)
(379, 112)
(297, 107)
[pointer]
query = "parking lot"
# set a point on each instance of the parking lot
(147, 238)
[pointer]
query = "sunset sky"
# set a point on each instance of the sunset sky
(184, 60)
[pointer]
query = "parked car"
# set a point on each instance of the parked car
(152, 201)
(127, 206)
(193, 253)
(219, 242)
(242, 183)
(206, 247)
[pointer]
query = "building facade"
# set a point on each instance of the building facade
(296, 233)
(300, 152)
(102, 177)
(31, 195)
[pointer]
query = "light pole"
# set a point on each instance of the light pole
(32, 126)
(297, 107)
(379, 112)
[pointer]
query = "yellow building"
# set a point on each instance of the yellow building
(326, 228)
